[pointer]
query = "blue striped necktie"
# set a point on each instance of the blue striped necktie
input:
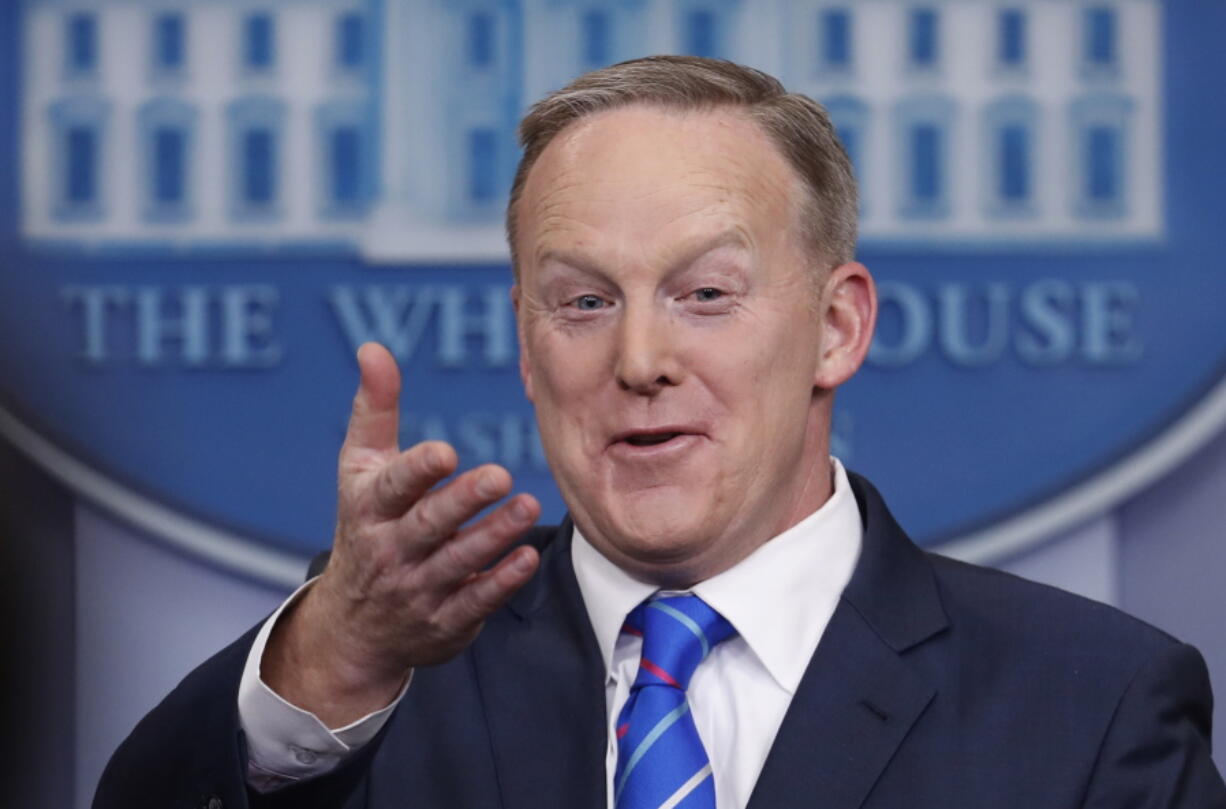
(661, 763)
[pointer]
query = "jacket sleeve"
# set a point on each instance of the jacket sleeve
(189, 752)
(1156, 752)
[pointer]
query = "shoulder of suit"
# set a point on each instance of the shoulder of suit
(155, 759)
(1002, 612)
(1000, 608)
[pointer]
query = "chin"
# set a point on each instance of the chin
(664, 516)
(665, 540)
(673, 567)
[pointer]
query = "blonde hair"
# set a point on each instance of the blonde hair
(797, 124)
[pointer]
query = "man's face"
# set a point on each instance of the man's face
(672, 331)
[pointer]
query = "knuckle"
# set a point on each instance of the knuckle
(467, 606)
(512, 517)
(451, 556)
(387, 484)
(433, 458)
(420, 465)
(460, 557)
(437, 630)
(427, 518)
(482, 595)
(445, 452)
(490, 481)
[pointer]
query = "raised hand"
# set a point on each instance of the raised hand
(407, 583)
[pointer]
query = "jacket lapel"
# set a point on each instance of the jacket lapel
(541, 677)
(855, 705)
(859, 697)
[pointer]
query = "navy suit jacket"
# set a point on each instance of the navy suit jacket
(936, 684)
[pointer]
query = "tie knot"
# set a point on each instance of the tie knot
(678, 633)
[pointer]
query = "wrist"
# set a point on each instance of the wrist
(312, 662)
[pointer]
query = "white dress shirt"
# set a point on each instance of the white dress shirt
(284, 742)
(779, 599)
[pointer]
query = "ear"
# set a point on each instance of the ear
(525, 366)
(849, 313)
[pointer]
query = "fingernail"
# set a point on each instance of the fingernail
(487, 486)
(519, 510)
(522, 563)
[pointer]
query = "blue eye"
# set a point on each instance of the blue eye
(588, 303)
(708, 294)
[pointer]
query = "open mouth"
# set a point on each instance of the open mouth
(646, 437)
(649, 439)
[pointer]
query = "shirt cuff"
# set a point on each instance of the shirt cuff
(284, 742)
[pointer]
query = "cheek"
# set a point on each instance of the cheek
(793, 357)
(764, 387)
(565, 389)
(762, 364)
(559, 370)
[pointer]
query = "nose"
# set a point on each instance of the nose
(646, 360)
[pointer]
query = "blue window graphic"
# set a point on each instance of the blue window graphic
(482, 165)
(926, 154)
(78, 126)
(1014, 163)
(923, 44)
(345, 164)
(164, 148)
(1100, 125)
(259, 48)
(701, 33)
(594, 34)
(1011, 42)
(259, 167)
(836, 39)
(1010, 126)
(481, 39)
(169, 165)
(350, 41)
(255, 125)
(1102, 164)
(81, 43)
(82, 175)
(1100, 37)
(345, 158)
(169, 47)
(924, 131)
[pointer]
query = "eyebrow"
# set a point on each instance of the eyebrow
(733, 237)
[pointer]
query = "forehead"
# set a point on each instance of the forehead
(656, 177)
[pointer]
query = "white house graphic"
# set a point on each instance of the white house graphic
(387, 126)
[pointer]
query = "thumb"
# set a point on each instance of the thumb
(375, 420)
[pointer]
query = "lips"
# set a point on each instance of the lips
(653, 436)
(649, 439)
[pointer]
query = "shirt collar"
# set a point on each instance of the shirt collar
(779, 598)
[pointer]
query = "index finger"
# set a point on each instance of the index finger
(375, 420)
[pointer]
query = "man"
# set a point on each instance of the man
(726, 617)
